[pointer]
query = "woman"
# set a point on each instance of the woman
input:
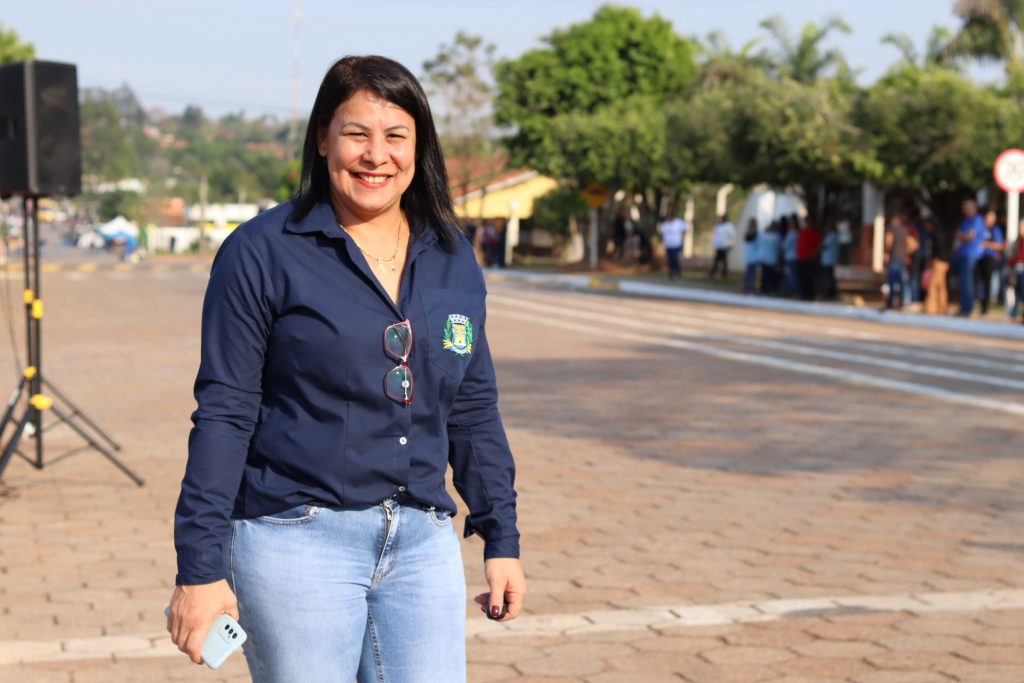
(344, 365)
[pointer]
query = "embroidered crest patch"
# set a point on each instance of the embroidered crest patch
(458, 334)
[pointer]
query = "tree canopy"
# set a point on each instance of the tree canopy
(13, 48)
(625, 100)
(616, 56)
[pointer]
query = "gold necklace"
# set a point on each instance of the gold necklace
(380, 261)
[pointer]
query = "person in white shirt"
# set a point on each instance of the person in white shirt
(725, 238)
(673, 230)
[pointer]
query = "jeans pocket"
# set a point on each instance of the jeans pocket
(300, 514)
(440, 517)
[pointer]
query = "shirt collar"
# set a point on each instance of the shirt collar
(321, 219)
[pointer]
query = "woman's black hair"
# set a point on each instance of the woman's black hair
(427, 202)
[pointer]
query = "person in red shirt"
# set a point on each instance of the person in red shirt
(808, 246)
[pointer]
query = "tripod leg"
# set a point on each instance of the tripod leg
(76, 411)
(11, 404)
(66, 419)
(12, 445)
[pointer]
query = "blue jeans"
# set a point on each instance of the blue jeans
(369, 593)
(674, 269)
(896, 278)
(965, 266)
(749, 278)
(790, 286)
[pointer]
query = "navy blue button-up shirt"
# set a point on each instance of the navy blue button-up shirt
(290, 390)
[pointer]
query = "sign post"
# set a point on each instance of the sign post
(595, 194)
(1009, 173)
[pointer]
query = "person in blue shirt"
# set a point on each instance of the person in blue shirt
(344, 368)
(752, 256)
(992, 244)
(769, 245)
(969, 238)
(789, 257)
(829, 260)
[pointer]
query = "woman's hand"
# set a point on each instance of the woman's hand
(193, 609)
(508, 586)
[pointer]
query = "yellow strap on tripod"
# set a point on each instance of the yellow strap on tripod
(30, 372)
(40, 402)
(30, 296)
(37, 309)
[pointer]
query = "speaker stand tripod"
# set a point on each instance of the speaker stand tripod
(30, 423)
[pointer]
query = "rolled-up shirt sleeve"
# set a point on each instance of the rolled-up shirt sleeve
(236, 322)
(478, 451)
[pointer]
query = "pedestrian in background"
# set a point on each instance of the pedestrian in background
(673, 231)
(790, 226)
(752, 256)
(992, 246)
(918, 260)
(770, 243)
(969, 238)
(315, 484)
(1015, 262)
(808, 247)
(829, 260)
(936, 300)
(724, 239)
(897, 254)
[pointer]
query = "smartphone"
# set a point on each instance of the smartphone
(224, 637)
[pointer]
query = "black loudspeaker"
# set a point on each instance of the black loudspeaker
(40, 147)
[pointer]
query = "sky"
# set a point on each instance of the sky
(240, 55)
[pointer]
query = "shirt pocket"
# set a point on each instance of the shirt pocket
(453, 318)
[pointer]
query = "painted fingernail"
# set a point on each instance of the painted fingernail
(495, 611)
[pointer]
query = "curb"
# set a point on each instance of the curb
(646, 289)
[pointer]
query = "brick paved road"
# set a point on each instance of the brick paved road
(707, 494)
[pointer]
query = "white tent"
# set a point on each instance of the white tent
(120, 226)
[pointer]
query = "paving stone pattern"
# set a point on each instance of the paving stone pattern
(649, 480)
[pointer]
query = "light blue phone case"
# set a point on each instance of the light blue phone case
(224, 638)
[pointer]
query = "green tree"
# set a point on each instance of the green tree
(992, 30)
(720, 64)
(108, 151)
(557, 209)
(764, 130)
(617, 55)
(934, 49)
(621, 145)
(13, 48)
(803, 59)
(457, 80)
(935, 130)
(119, 203)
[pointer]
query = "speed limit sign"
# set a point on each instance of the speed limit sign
(1009, 170)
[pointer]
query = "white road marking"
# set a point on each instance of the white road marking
(847, 376)
(682, 616)
(962, 356)
(755, 338)
(158, 643)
